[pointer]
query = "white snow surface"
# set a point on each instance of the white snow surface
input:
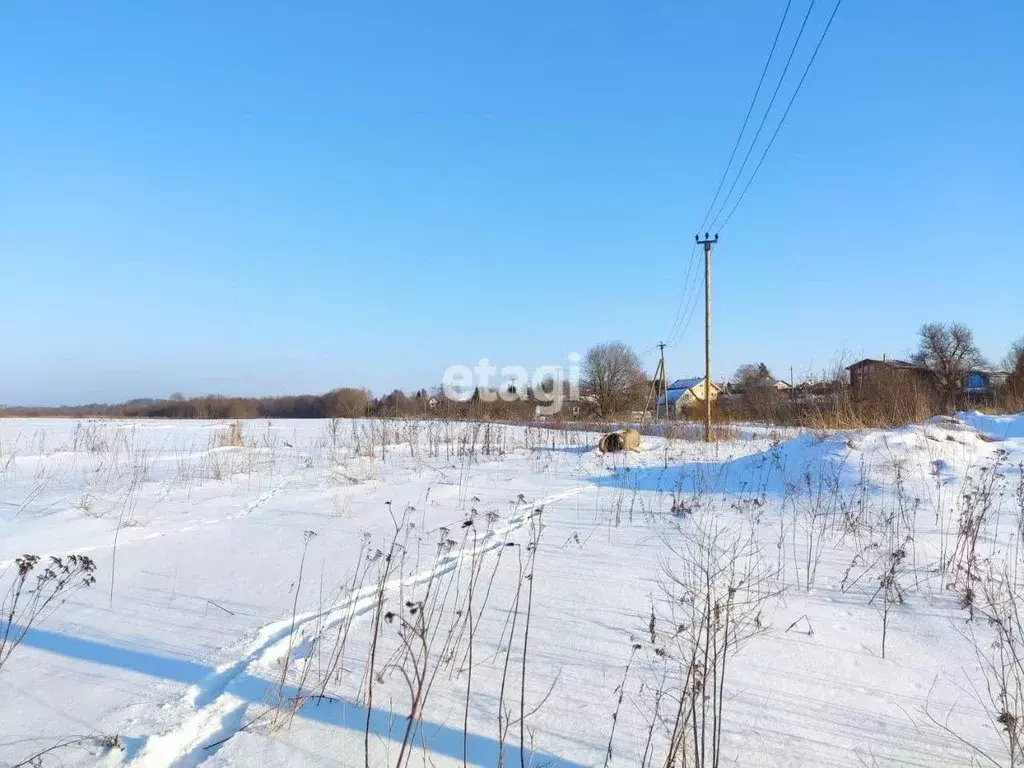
(998, 427)
(234, 621)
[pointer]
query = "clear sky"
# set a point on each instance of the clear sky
(260, 198)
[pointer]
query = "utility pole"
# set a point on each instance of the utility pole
(659, 379)
(664, 385)
(707, 242)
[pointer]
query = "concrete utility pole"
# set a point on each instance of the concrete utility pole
(707, 242)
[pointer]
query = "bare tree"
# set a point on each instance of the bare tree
(1014, 364)
(613, 376)
(395, 404)
(760, 398)
(347, 403)
(948, 351)
(753, 376)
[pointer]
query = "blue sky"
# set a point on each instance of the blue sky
(261, 198)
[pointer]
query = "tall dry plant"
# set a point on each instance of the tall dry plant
(716, 586)
(38, 588)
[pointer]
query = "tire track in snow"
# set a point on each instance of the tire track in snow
(218, 712)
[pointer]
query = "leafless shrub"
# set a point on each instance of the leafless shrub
(691, 432)
(817, 501)
(232, 436)
(715, 590)
(999, 648)
(37, 589)
(505, 715)
(95, 746)
(882, 567)
(88, 436)
(334, 440)
(125, 517)
(890, 400)
(1011, 396)
(977, 503)
(389, 562)
(8, 454)
(621, 691)
(336, 656)
(422, 628)
(1019, 496)
(307, 536)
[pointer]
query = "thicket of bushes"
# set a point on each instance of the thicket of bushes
(892, 402)
(615, 388)
(339, 403)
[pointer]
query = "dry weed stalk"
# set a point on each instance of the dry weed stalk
(38, 588)
(715, 589)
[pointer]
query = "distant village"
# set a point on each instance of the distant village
(982, 384)
(946, 373)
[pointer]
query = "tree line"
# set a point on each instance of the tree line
(614, 385)
(344, 402)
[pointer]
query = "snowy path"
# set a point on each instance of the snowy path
(219, 709)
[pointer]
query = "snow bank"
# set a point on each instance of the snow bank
(996, 427)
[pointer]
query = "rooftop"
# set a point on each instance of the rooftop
(890, 362)
(689, 383)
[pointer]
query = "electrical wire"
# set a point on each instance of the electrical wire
(764, 117)
(784, 114)
(746, 119)
(687, 298)
(682, 297)
(688, 315)
(687, 304)
(690, 290)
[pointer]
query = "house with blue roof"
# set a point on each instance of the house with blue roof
(682, 394)
(984, 382)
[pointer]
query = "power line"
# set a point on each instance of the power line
(687, 305)
(688, 312)
(682, 296)
(687, 297)
(784, 114)
(764, 117)
(690, 293)
(648, 351)
(746, 119)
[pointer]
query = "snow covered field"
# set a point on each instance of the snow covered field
(288, 593)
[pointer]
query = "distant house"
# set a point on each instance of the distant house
(762, 381)
(585, 406)
(684, 393)
(764, 385)
(983, 382)
(869, 373)
(813, 388)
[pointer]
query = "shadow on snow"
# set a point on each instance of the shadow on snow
(440, 739)
(776, 471)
